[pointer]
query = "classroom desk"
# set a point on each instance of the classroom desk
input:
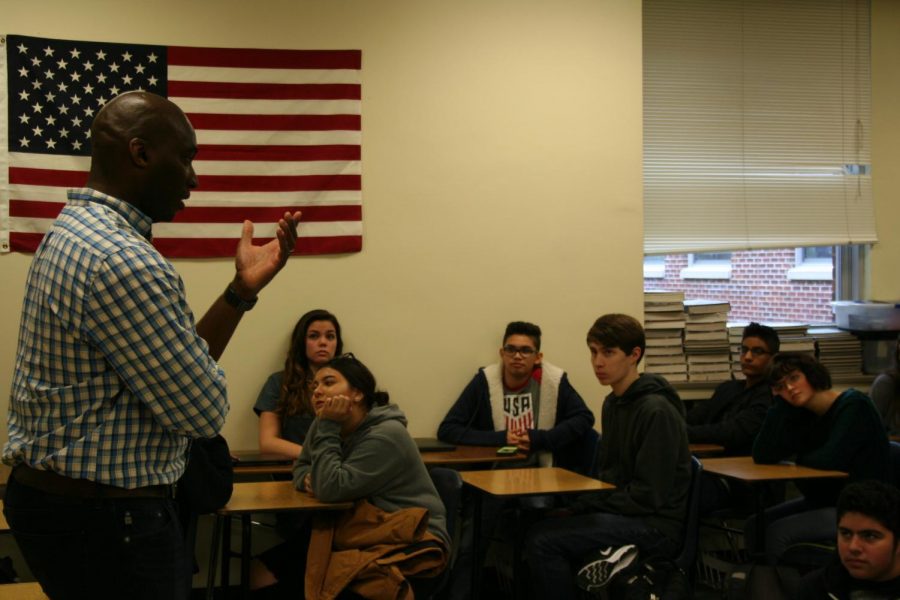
(249, 498)
(507, 483)
(250, 462)
(468, 455)
(23, 591)
(4, 526)
(742, 468)
(706, 450)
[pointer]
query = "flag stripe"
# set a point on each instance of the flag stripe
(275, 122)
(279, 152)
(31, 193)
(265, 91)
(298, 138)
(241, 75)
(267, 107)
(261, 214)
(255, 58)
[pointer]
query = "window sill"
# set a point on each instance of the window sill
(707, 271)
(811, 272)
(654, 271)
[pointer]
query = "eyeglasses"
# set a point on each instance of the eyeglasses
(756, 351)
(788, 380)
(525, 351)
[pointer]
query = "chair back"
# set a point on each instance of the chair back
(894, 460)
(449, 486)
(691, 535)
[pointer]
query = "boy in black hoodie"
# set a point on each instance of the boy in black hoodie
(644, 452)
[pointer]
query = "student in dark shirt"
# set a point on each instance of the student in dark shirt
(816, 427)
(867, 565)
(734, 415)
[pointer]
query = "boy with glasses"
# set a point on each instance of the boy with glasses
(521, 401)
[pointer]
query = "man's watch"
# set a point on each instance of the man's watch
(232, 298)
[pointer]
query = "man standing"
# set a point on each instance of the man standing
(113, 378)
(733, 417)
(522, 402)
(643, 452)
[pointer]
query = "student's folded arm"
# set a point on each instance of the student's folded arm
(469, 420)
(776, 439)
(573, 420)
(372, 463)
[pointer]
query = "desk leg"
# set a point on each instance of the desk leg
(760, 526)
(476, 546)
(245, 555)
(226, 554)
(213, 558)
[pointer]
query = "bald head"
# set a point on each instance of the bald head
(133, 136)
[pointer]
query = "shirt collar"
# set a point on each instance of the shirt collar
(134, 216)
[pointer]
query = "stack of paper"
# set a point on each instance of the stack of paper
(664, 321)
(706, 340)
(839, 350)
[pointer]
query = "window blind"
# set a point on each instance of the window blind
(756, 124)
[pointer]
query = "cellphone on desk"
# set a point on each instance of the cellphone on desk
(506, 450)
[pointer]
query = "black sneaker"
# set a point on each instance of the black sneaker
(602, 565)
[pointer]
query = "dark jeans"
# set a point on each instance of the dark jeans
(790, 523)
(557, 547)
(131, 548)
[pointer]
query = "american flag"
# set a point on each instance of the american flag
(277, 130)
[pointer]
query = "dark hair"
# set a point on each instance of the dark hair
(874, 499)
(524, 328)
(294, 396)
(785, 363)
(618, 331)
(765, 333)
(359, 377)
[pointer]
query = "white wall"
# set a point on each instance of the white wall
(501, 181)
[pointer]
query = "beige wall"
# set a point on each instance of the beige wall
(885, 266)
(501, 181)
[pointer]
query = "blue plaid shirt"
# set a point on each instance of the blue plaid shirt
(111, 377)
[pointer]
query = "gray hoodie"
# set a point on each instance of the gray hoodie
(378, 462)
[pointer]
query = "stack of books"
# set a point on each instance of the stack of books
(664, 321)
(706, 340)
(839, 350)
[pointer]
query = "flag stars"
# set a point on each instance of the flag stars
(126, 80)
(61, 86)
(76, 99)
(101, 101)
(88, 89)
(88, 111)
(152, 58)
(48, 74)
(23, 142)
(35, 84)
(75, 76)
(37, 131)
(50, 96)
(61, 64)
(152, 80)
(114, 90)
(75, 53)
(35, 61)
(23, 49)
(114, 68)
(48, 51)
(51, 120)
(88, 66)
(126, 57)
(101, 78)
(76, 121)
(63, 133)
(101, 55)
(23, 119)
(51, 144)
(23, 95)
(76, 145)
(23, 72)
(37, 107)
(63, 109)
(139, 69)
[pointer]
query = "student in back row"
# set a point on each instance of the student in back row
(521, 401)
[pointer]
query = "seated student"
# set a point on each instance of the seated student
(357, 449)
(283, 406)
(868, 559)
(644, 452)
(521, 401)
(885, 394)
(734, 414)
(816, 427)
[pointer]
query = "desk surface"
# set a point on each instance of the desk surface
(743, 468)
(4, 526)
(266, 496)
(464, 455)
(532, 481)
(702, 450)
